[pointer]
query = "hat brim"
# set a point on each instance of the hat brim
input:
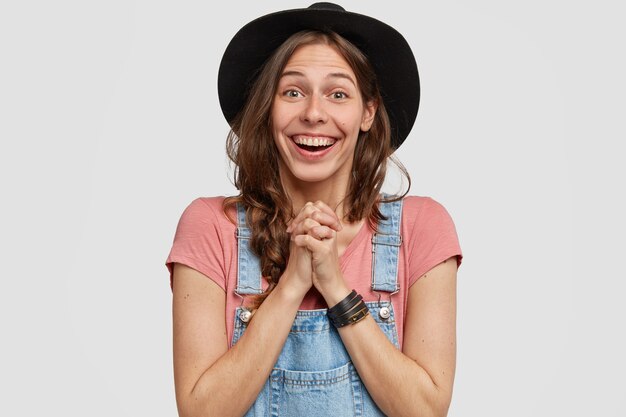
(387, 50)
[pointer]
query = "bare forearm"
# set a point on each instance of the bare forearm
(220, 390)
(398, 385)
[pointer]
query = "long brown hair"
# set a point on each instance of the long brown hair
(251, 148)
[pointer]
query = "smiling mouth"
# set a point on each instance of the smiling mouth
(313, 143)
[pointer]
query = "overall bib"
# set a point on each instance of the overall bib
(314, 375)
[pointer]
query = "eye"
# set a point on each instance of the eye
(339, 95)
(292, 93)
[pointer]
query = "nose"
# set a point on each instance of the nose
(314, 111)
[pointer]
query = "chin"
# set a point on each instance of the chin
(310, 177)
(310, 174)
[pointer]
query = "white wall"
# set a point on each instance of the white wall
(110, 126)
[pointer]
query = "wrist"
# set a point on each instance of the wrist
(348, 311)
(335, 294)
(290, 293)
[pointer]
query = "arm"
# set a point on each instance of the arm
(419, 380)
(207, 374)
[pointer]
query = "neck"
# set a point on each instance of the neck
(331, 191)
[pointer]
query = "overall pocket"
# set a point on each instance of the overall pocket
(336, 392)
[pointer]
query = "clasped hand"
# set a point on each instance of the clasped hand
(314, 256)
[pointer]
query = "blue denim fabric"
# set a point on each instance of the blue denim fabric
(314, 375)
(386, 247)
(248, 265)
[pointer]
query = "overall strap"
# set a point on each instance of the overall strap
(386, 243)
(248, 265)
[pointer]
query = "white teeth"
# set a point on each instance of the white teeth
(313, 141)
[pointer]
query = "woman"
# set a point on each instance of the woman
(317, 99)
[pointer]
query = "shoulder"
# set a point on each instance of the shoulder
(207, 211)
(423, 210)
(204, 239)
(427, 222)
(418, 202)
(207, 203)
(430, 235)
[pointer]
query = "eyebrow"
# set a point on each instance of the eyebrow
(331, 75)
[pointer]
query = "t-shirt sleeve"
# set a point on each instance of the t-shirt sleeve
(197, 242)
(433, 238)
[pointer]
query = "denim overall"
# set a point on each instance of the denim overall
(314, 375)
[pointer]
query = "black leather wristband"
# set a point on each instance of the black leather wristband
(343, 303)
(361, 311)
(348, 308)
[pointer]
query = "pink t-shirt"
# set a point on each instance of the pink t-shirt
(205, 241)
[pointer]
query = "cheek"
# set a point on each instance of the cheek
(351, 121)
(277, 142)
(275, 116)
(275, 127)
(279, 123)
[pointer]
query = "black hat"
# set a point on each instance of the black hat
(385, 47)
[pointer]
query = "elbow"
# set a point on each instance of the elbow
(440, 410)
(436, 395)
(438, 403)
(189, 405)
(183, 405)
(433, 402)
(192, 405)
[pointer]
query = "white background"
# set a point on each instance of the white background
(110, 126)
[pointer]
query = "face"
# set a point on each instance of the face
(317, 114)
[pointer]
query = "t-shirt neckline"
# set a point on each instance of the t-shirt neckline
(355, 242)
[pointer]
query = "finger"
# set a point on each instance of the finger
(326, 219)
(322, 232)
(302, 241)
(305, 212)
(308, 242)
(316, 218)
(304, 227)
(319, 249)
(326, 209)
(319, 212)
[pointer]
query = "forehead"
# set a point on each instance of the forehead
(318, 56)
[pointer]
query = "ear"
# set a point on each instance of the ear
(369, 111)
